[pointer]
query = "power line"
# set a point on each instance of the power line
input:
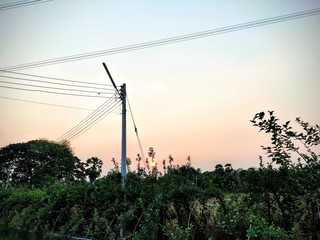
(86, 120)
(166, 41)
(82, 123)
(56, 83)
(49, 104)
(91, 124)
(18, 4)
(113, 107)
(56, 88)
(77, 89)
(90, 120)
(54, 78)
(44, 91)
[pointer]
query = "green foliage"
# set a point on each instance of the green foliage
(260, 229)
(35, 163)
(93, 168)
(290, 192)
(176, 232)
(41, 162)
(279, 200)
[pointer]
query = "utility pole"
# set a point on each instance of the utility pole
(123, 95)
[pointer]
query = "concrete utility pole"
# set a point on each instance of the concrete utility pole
(123, 95)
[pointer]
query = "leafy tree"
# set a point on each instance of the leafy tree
(285, 140)
(293, 187)
(79, 172)
(115, 165)
(93, 168)
(36, 162)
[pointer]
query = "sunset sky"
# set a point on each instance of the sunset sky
(188, 98)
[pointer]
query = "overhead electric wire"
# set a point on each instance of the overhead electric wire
(57, 83)
(18, 4)
(48, 104)
(56, 88)
(137, 135)
(90, 120)
(166, 41)
(87, 127)
(54, 78)
(86, 120)
(51, 92)
(100, 91)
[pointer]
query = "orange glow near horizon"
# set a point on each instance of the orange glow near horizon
(189, 98)
(153, 162)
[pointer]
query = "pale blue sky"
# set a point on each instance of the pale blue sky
(190, 98)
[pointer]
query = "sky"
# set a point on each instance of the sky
(189, 98)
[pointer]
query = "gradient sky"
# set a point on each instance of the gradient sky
(190, 98)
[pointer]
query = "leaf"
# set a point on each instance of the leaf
(261, 115)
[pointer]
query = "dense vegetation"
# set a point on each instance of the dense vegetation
(50, 192)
